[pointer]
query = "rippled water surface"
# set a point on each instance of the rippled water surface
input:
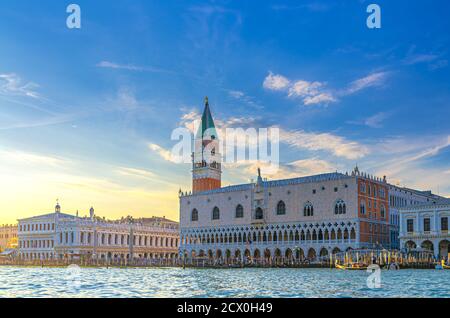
(176, 282)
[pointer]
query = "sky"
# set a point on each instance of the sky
(86, 115)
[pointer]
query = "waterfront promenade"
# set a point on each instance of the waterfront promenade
(400, 262)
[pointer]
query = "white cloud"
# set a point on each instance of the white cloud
(322, 98)
(371, 80)
(163, 153)
(12, 84)
(310, 92)
(314, 92)
(304, 88)
(337, 145)
(276, 82)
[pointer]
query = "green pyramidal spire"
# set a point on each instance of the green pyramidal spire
(207, 129)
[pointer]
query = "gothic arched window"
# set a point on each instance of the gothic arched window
(239, 211)
(259, 214)
(194, 215)
(340, 207)
(281, 208)
(308, 210)
(216, 214)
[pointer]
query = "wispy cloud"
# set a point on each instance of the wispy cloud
(131, 67)
(243, 97)
(432, 59)
(419, 58)
(374, 121)
(304, 167)
(312, 141)
(321, 98)
(163, 153)
(13, 85)
(31, 158)
(438, 65)
(315, 92)
(310, 92)
(404, 161)
(136, 173)
(372, 80)
(336, 145)
(55, 120)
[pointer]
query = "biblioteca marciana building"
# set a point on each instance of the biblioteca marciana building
(300, 218)
(63, 236)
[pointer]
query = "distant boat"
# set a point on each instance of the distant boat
(351, 266)
(442, 265)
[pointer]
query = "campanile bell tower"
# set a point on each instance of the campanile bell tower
(207, 168)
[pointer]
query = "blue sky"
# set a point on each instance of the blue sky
(86, 115)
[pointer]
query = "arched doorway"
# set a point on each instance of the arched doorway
(299, 254)
(323, 252)
(311, 254)
(267, 254)
(288, 254)
(410, 245)
(219, 254)
(247, 254)
(237, 254)
(277, 255)
(427, 245)
(444, 248)
(336, 250)
(227, 255)
(257, 254)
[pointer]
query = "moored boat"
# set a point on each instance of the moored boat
(351, 266)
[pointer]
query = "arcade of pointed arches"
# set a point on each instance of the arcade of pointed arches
(265, 254)
(206, 242)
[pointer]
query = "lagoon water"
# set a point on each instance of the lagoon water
(251, 282)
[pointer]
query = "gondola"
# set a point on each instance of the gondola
(351, 267)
